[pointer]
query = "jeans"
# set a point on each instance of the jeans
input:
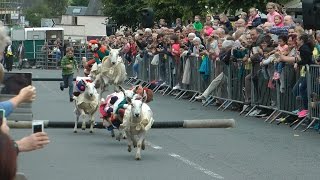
(278, 67)
(68, 82)
(300, 88)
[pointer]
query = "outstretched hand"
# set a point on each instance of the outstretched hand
(33, 142)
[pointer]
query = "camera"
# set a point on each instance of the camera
(37, 126)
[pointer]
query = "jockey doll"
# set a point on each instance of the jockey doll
(99, 51)
(80, 85)
(110, 119)
(87, 65)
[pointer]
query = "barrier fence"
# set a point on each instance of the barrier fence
(234, 84)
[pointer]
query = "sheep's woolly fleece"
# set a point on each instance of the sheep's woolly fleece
(4, 38)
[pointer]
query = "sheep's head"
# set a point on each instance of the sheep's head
(114, 56)
(136, 104)
(90, 89)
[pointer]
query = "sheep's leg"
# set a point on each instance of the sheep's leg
(143, 147)
(119, 135)
(112, 133)
(77, 113)
(124, 135)
(83, 116)
(129, 141)
(134, 140)
(91, 123)
(105, 83)
(139, 145)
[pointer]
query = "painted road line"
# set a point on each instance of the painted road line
(153, 145)
(196, 166)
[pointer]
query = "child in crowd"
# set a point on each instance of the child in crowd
(175, 52)
(283, 50)
(197, 24)
(208, 30)
(278, 21)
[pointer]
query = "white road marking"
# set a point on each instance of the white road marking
(153, 145)
(196, 166)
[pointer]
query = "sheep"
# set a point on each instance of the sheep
(137, 120)
(112, 71)
(87, 103)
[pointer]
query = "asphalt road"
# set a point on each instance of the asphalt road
(254, 150)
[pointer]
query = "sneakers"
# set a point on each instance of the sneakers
(303, 113)
(255, 112)
(200, 97)
(176, 87)
(61, 86)
(296, 111)
(163, 84)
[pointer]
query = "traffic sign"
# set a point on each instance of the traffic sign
(45, 22)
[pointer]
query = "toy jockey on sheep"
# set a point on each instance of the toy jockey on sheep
(99, 51)
(80, 85)
(113, 108)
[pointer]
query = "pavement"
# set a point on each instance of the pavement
(253, 150)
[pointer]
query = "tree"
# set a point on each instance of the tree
(57, 7)
(80, 3)
(125, 12)
(233, 5)
(34, 14)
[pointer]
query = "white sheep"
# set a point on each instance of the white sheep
(87, 103)
(112, 71)
(137, 120)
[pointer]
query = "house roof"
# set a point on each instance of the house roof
(76, 10)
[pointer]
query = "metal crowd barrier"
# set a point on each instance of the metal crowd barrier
(279, 100)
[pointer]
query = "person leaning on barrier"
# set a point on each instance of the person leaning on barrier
(305, 45)
(225, 56)
(33, 141)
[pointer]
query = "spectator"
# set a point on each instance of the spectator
(224, 21)
(8, 56)
(197, 24)
(222, 77)
(254, 19)
(287, 24)
(20, 55)
(256, 36)
(271, 8)
(175, 52)
(27, 94)
(306, 45)
(278, 21)
(8, 158)
(208, 30)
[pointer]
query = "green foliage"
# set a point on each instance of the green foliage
(46, 9)
(126, 11)
(79, 3)
(57, 7)
(34, 14)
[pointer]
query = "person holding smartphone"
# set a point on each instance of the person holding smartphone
(68, 65)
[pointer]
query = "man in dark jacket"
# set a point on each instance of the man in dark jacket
(20, 55)
(8, 57)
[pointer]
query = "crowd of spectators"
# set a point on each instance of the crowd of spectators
(266, 45)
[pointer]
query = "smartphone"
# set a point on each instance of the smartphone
(14, 82)
(2, 113)
(37, 126)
